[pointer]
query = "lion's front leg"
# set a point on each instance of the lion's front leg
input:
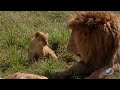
(71, 71)
(99, 74)
(105, 71)
(31, 57)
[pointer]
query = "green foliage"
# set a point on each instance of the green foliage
(16, 30)
(18, 27)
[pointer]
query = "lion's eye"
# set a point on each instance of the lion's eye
(43, 39)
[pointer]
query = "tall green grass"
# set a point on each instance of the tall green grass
(17, 28)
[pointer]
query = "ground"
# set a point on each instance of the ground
(16, 30)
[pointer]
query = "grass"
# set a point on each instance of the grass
(18, 27)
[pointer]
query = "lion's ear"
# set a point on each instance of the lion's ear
(37, 34)
(46, 34)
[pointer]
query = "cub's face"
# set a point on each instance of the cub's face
(42, 38)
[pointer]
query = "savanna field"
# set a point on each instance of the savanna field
(17, 28)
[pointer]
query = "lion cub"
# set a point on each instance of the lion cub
(38, 47)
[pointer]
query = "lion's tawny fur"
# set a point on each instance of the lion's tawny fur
(95, 38)
(38, 47)
(20, 75)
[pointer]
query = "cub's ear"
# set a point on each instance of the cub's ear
(37, 34)
(46, 34)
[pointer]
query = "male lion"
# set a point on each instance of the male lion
(38, 47)
(95, 38)
(20, 75)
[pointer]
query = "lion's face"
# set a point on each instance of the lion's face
(42, 38)
(76, 39)
(86, 43)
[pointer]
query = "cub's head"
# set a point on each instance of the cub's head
(42, 38)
